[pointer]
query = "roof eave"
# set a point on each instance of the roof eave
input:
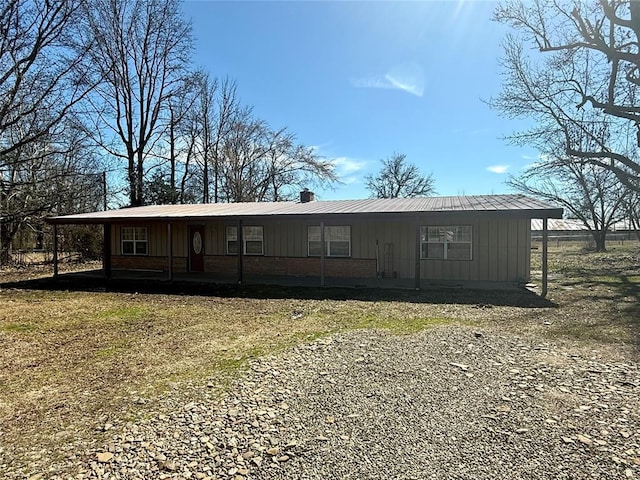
(524, 213)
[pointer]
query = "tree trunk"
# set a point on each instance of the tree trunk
(600, 238)
(5, 242)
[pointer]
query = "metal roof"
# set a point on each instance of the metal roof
(574, 225)
(518, 205)
(564, 224)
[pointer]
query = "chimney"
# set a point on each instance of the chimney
(306, 196)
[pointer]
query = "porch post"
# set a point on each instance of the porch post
(106, 260)
(321, 254)
(545, 246)
(240, 241)
(417, 260)
(55, 251)
(170, 250)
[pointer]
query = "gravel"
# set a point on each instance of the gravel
(448, 402)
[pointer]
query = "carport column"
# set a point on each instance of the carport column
(106, 260)
(240, 241)
(417, 266)
(55, 251)
(545, 245)
(170, 250)
(322, 254)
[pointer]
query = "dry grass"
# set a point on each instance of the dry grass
(71, 359)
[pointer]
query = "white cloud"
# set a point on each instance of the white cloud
(346, 166)
(498, 168)
(407, 77)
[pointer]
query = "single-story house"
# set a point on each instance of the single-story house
(461, 239)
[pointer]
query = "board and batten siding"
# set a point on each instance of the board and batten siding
(156, 239)
(500, 246)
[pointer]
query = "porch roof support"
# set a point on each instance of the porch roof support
(170, 249)
(545, 251)
(417, 255)
(55, 251)
(240, 240)
(322, 239)
(106, 258)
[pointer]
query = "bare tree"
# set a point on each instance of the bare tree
(589, 62)
(41, 84)
(261, 164)
(51, 176)
(397, 178)
(141, 48)
(590, 193)
(179, 126)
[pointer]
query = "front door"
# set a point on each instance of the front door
(196, 248)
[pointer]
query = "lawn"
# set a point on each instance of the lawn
(72, 360)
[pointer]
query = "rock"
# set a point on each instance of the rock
(273, 451)
(104, 457)
(168, 465)
(461, 366)
(283, 458)
(522, 430)
(585, 440)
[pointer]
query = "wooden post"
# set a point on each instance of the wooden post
(240, 240)
(170, 250)
(417, 265)
(106, 261)
(55, 251)
(322, 240)
(545, 248)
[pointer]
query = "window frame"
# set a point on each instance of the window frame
(425, 242)
(245, 239)
(327, 240)
(134, 241)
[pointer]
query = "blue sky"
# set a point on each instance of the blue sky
(363, 80)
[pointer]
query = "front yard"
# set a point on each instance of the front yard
(74, 363)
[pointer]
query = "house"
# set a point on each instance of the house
(465, 240)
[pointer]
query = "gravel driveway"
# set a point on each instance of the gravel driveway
(449, 402)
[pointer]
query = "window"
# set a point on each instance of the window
(337, 241)
(134, 241)
(252, 237)
(446, 242)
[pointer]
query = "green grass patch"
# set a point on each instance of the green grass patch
(401, 326)
(19, 327)
(123, 314)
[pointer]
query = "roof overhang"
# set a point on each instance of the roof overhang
(489, 206)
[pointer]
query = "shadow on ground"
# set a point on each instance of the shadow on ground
(433, 295)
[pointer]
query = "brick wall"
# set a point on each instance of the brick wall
(293, 266)
(140, 262)
(258, 265)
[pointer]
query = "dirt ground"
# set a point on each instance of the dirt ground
(69, 359)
